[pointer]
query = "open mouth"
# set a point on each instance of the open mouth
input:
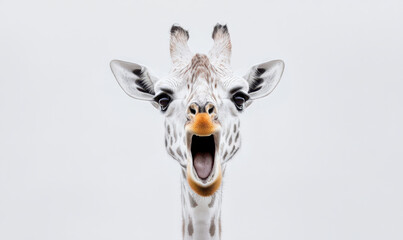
(203, 170)
(203, 154)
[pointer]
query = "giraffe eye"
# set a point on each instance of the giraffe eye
(239, 100)
(163, 100)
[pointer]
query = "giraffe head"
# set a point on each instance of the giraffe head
(201, 100)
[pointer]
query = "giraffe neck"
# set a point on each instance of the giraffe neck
(201, 216)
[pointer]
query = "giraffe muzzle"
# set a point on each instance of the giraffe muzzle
(202, 125)
(204, 165)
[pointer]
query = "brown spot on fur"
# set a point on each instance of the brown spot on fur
(178, 151)
(225, 155)
(211, 204)
(183, 228)
(174, 131)
(236, 137)
(212, 227)
(233, 150)
(230, 141)
(171, 152)
(190, 227)
(192, 201)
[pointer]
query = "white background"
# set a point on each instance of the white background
(321, 156)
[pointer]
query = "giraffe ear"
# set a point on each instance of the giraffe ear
(263, 78)
(134, 79)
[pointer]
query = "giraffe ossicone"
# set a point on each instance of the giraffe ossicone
(201, 99)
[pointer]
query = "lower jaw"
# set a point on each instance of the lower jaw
(205, 189)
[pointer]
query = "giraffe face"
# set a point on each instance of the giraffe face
(201, 110)
(201, 100)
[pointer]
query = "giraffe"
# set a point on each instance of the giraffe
(201, 99)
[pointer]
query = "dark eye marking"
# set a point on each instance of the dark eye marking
(234, 90)
(168, 91)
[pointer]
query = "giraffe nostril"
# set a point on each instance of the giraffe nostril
(210, 108)
(210, 111)
(193, 109)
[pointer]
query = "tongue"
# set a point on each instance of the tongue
(203, 163)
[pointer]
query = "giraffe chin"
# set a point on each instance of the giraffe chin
(204, 189)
